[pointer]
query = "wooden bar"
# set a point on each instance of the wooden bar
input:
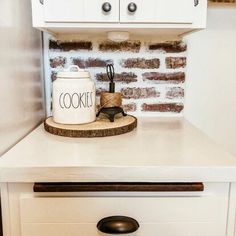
(118, 187)
(222, 3)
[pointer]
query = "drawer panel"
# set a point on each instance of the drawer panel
(211, 205)
(165, 229)
(143, 209)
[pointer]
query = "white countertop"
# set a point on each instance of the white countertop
(160, 150)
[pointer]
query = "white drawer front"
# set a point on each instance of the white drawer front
(169, 214)
(80, 11)
(158, 11)
(162, 229)
(143, 209)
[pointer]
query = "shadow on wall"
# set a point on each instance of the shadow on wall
(1, 233)
(211, 85)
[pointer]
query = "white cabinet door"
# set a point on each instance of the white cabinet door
(157, 11)
(69, 11)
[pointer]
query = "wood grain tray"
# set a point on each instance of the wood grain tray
(102, 127)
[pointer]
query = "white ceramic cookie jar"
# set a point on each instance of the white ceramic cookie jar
(74, 97)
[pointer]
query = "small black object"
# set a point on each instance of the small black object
(118, 225)
(111, 75)
(132, 7)
(111, 112)
(106, 7)
(196, 2)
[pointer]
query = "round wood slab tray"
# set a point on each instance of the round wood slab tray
(102, 127)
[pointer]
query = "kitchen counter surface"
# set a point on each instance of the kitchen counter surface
(160, 150)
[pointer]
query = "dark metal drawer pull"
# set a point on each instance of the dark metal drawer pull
(118, 187)
(118, 225)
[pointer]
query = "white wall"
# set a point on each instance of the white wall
(211, 78)
(21, 97)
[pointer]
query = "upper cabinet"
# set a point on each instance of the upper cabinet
(136, 16)
(157, 11)
(92, 11)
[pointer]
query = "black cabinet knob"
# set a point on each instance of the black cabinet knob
(196, 3)
(132, 7)
(106, 7)
(118, 225)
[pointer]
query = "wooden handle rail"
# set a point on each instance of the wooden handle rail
(118, 187)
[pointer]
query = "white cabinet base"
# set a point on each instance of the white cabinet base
(26, 213)
(153, 17)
